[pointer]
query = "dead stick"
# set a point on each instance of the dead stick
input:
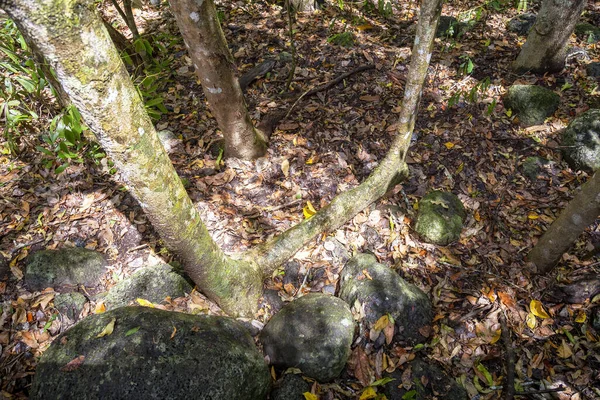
(509, 393)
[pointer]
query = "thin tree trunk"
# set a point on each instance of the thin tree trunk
(91, 72)
(546, 46)
(581, 212)
(199, 25)
(390, 171)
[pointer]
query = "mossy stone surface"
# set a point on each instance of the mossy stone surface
(70, 304)
(521, 24)
(65, 268)
(312, 333)
(385, 292)
(150, 283)
(589, 32)
(581, 141)
(152, 354)
(440, 218)
(290, 387)
(532, 104)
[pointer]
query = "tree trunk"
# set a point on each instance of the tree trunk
(90, 70)
(72, 38)
(202, 34)
(546, 46)
(581, 212)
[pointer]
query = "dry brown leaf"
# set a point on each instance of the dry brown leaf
(73, 364)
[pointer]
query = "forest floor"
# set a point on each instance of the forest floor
(329, 142)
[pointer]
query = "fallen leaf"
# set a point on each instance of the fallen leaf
(381, 323)
(108, 329)
(309, 210)
(564, 351)
(507, 299)
(100, 308)
(73, 364)
(310, 396)
(144, 303)
(581, 317)
(174, 332)
(537, 309)
(449, 145)
(285, 167)
(368, 393)
(531, 321)
(132, 331)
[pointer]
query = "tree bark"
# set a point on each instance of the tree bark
(73, 40)
(581, 212)
(546, 46)
(206, 44)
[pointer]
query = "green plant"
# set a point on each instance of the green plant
(344, 39)
(466, 65)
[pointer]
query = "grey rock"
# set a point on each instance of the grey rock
(581, 141)
(385, 292)
(589, 32)
(152, 354)
(521, 24)
(70, 304)
(532, 167)
(593, 69)
(63, 269)
(450, 27)
(150, 283)
(291, 387)
(532, 104)
(312, 333)
(438, 385)
(440, 218)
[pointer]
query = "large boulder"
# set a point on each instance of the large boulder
(581, 141)
(64, 269)
(588, 32)
(152, 354)
(150, 283)
(378, 290)
(313, 333)
(426, 379)
(521, 24)
(532, 104)
(440, 218)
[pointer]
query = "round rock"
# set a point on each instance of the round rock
(581, 141)
(440, 218)
(383, 292)
(313, 333)
(152, 354)
(532, 104)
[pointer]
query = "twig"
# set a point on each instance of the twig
(509, 385)
(329, 85)
(279, 207)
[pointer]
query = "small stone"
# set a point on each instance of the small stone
(532, 104)
(290, 387)
(593, 69)
(312, 333)
(521, 24)
(70, 304)
(440, 218)
(384, 292)
(588, 32)
(581, 141)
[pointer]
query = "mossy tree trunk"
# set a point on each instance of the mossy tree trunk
(73, 40)
(580, 213)
(546, 47)
(206, 44)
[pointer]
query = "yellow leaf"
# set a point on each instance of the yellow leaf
(532, 215)
(144, 303)
(285, 167)
(531, 321)
(100, 308)
(509, 113)
(309, 210)
(310, 396)
(368, 393)
(537, 309)
(364, 27)
(381, 323)
(449, 145)
(108, 329)
(174, 332)
(496, 336)
(581, 317)
(460, 168)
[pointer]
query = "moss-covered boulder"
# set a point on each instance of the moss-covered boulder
(150, 283)
(593, 69)
(588, 32)
(427, 380)
(152, 354)
(64, 269)
(378, 290)
(290, 387)
(521, 24)
(581, 141)
(312, 333)
(532, 104)
(70, 304)
(440, 218)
